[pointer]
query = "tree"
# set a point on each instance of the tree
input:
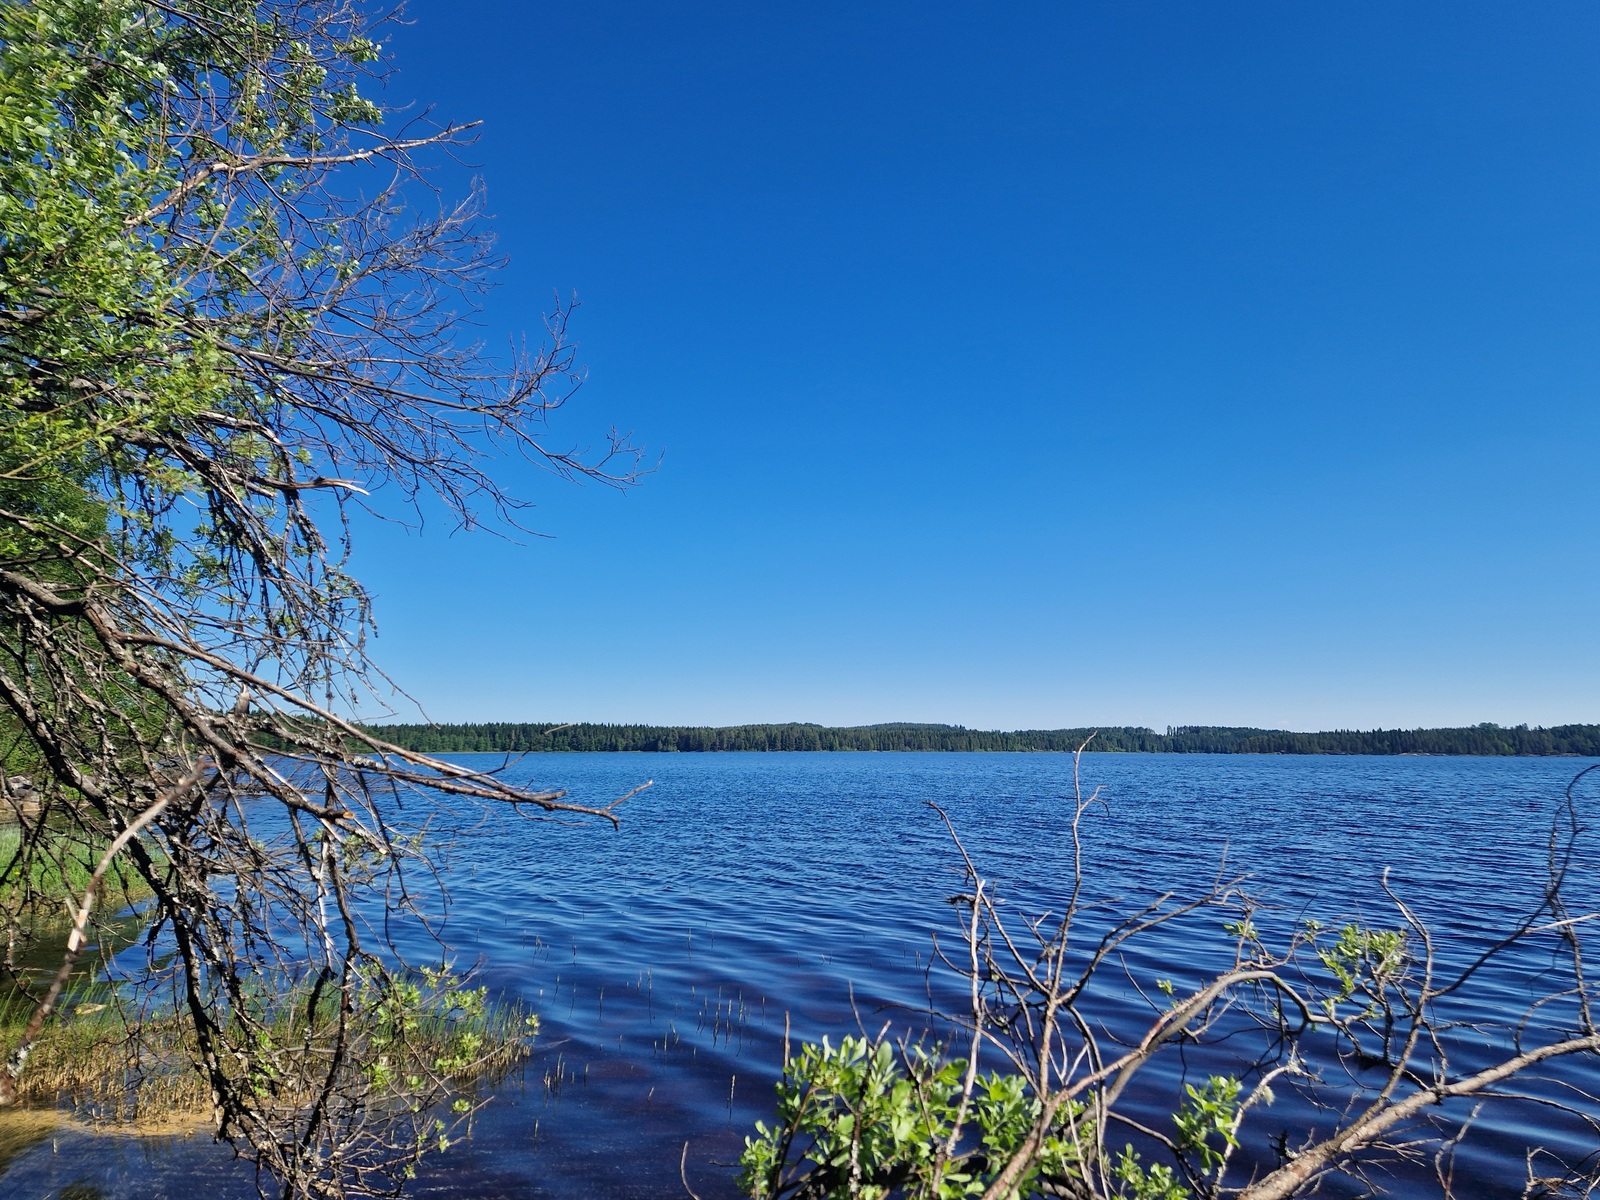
(1031, 1095)
(231, 308)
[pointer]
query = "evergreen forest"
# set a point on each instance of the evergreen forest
(509, 737)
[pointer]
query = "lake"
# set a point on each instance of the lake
(743, 888)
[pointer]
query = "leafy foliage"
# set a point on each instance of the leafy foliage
(874, 1121)
(1031, 1096)
(867, 1120)
(229, 311)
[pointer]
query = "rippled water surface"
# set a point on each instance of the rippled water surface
(744, 888)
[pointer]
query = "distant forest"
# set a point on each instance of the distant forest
(1572, 740)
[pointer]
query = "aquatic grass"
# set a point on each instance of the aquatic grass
(39, 871)
(82, 1059)
(114, 1060)
(109, 1064)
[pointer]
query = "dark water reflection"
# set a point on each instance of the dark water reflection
(664, 957)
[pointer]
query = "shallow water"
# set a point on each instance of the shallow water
(744, 888)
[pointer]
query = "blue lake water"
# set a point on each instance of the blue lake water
(744, 888)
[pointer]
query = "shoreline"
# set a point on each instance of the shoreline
(1487, 741)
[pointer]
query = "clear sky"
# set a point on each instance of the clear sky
(1035, 365)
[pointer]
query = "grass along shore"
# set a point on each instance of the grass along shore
(105, 1057)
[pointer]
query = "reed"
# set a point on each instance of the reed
(107, 1064)
(39, 871)
(105, 1058)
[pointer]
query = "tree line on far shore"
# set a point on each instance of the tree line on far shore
(1581, 741)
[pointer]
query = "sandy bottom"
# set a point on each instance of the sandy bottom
(22, 1127)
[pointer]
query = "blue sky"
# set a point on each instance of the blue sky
(1034, 365)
